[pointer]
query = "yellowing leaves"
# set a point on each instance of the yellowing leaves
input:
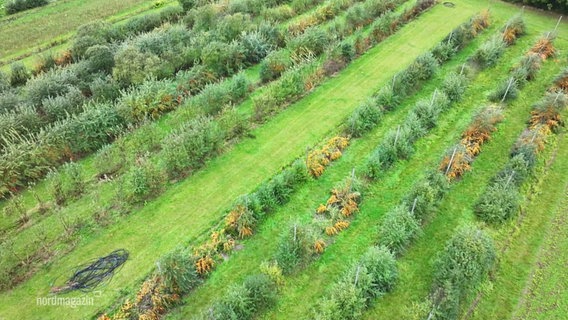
(319, 246)
(204, 265)
(544, 48)
(320, 158)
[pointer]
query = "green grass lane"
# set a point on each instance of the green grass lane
(531, 279)
(415, 267)
(302, 205)
(191, 207)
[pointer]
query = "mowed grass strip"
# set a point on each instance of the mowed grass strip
(531, 279)
(300, 209)
(190, 208)
(416, 266)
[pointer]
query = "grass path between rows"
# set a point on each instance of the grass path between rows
(416, 266)
(191, 207)
(301, 206)
(531, 280)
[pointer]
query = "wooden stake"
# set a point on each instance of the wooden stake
(557, 23)
(357, 275)
(463, 66)
(451, 160)
(295, 230)
(534, 136)
(397, 133)
(510, 178)
(434, 96)
(414, 205)
(393, 81)
(507, 91)
(352, 179)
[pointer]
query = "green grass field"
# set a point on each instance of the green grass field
(41, 28)
(164, 223)
(24, 240)
(529, 282)
(308, 284)
(311, 283)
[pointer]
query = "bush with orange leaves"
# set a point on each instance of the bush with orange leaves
(480, 22)
(480, 129)
(561, 81)
(124, 313)
(458, 159)
(456, 162)
(544, 47)
(344, 199)
(240, 221)
(176, 275)
(320, 158)
(319, 246)
(514, 28)
(204, 265)
(548, 111)
(342, 204)
(531, 141)
(64, 58)
(152, 299)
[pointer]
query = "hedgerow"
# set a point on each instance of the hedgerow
(500, 200)
(243, 301)
(463, 264)
(295, 248)
(14, 6)
(188, 147)
(369, 278)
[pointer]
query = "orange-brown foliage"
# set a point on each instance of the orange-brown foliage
(480, 22)
(237, 221)
(65, 58)
(321, 209)
(319, 246)
(563, 84)
(152, 300)
(549, 117)
(204, 265)
(320, 158)
(341, 225)
(460, 165)
(331, 231)
(544, 47)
